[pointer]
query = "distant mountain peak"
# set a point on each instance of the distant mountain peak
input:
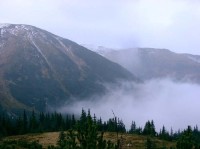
(152, 63)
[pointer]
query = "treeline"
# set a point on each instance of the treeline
(49, 122)
(83, 134)
(88, 128)
(186, 139)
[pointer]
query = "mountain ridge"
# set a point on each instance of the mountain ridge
(151, 63)
(38, 68)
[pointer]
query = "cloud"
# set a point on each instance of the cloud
(166, 102)
(172, 24)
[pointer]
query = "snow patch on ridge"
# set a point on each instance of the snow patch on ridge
(15, 29)
(4, 25)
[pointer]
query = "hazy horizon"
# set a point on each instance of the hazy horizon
(171, 24)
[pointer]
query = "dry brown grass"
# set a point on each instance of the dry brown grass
(129, 141)
(45, 139)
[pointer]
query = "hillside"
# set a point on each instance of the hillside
(149, 63)
(39, 70)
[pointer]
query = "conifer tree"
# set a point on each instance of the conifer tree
(149, 128)
(33, 122)
(25, 122)
(61, 140)
(19, 126)
(133, 128)
(186, 140)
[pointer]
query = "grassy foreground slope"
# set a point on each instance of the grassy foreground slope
(129, 141)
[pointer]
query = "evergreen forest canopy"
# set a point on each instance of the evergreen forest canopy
(87, 131)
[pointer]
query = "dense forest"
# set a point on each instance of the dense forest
(87, 131)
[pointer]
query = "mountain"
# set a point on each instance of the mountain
(39, 69)
(149, 63)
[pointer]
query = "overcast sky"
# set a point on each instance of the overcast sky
(171, 24)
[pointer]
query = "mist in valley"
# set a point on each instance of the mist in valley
(167, 102)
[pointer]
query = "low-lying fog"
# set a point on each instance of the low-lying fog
(168, 103)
